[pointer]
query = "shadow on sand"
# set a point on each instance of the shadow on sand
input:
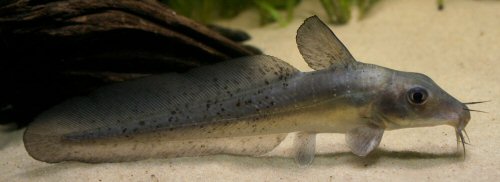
(405, 159)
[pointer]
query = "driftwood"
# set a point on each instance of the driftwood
(54, 49)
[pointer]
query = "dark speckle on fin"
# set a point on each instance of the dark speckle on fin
(124, 111)
(363, 140)
(320, 47)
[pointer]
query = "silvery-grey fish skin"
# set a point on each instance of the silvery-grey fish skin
(245, 107)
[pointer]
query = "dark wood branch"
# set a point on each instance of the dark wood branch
(54, 49)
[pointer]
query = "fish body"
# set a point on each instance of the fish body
(244, 107)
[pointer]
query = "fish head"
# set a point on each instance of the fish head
(415, 100)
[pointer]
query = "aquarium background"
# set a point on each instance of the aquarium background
(458, 46)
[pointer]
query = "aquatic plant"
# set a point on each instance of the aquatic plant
(207, 11)
(281, 11)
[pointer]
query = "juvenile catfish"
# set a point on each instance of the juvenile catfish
(245, 107)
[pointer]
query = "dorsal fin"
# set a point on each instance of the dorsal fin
(319, 46)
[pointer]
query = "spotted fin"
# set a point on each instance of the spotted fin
(364, 139)
(151, 104)
(319, 46)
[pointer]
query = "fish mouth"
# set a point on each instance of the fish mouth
(463, 120)
(460, 137)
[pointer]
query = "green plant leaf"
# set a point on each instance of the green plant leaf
(338, 11)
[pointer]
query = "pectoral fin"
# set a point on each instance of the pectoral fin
(305, 146)
(363, 140)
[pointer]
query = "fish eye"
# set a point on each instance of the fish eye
(417, 96)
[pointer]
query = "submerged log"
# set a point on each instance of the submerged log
(54, 49)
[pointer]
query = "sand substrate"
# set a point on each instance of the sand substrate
(458, 47)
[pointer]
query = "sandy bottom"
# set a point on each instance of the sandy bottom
(458, 47)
